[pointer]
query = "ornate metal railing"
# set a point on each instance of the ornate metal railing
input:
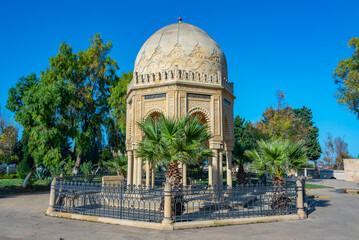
(115, 201)
(204, 202)
(189, 203)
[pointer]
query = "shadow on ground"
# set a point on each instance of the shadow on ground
(313, 203)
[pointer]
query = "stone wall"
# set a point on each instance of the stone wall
(351, 168)
(339, 174)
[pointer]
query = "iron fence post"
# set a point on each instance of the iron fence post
(121, 192)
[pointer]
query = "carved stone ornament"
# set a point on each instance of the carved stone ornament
(157, 54)
(197, 52)
(177, 51)
(215, 56)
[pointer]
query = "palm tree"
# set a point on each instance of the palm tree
(183, 140)
(240, 159)
(173, 141)
(278, 157)
(118, 165)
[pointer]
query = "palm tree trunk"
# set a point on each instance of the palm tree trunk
(241, 175)
(279, 200)
(173, 175)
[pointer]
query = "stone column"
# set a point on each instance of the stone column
(50, 209)
(139, 171)
(215, 167)
(167, 213)
(220, 167)
(129, 168)
(184, 174)
(148, 174)
(210, 172)
(300, 200)
(229, 167)
(135, 172)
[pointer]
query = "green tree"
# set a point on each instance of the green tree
(69, 102)
(245, 138)
(281, 123)
(245, 133)
(312, 138)
(346, 77)
(8, 139)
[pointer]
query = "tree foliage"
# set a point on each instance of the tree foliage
(278, 157)
(172, 141)
(311, 139)
(70, 102)
(281, 122)
(346, 77)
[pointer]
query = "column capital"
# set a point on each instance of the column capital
(228, 146)
(216, 145)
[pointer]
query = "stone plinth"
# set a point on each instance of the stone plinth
(351, 168)
(112, 180)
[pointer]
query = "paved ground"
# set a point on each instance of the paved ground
(22, 217)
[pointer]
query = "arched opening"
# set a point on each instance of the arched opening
(200, 116)
(198, 172)
(155, 116)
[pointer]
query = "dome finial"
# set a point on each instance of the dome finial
(180, 18)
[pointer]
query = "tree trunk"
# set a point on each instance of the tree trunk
(279, 200)
(173, 175)
(27, 179)
(76, 168)
(241, 175)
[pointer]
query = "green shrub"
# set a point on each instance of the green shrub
(41, 173)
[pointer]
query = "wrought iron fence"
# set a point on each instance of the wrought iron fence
(115, 201)
(202, 202)
(189, 203)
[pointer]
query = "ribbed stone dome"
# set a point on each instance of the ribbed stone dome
(183, 42)
(180, 51)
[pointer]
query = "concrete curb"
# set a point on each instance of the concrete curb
(176, 226)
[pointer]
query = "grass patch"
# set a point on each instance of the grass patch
(13, 186)
(315, 186)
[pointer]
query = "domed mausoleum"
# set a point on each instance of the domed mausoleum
(181, 70)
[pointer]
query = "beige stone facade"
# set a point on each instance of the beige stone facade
(351, 168)
(181, 70)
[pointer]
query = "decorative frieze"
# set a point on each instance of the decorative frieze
(154, 96)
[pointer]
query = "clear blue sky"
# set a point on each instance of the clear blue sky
(289, 45)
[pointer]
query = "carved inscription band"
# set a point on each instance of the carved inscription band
(195, 95)
(153, 96)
